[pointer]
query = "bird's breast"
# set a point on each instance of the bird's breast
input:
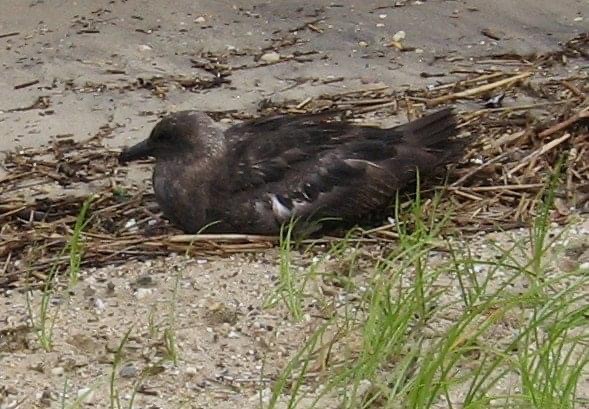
(180, 195)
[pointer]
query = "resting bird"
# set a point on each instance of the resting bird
(255, 176)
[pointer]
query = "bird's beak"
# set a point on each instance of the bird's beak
(139, 151)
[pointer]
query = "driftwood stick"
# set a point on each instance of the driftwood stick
(542, 150)
(583, 113)
(478, 168)
(484, 77)
(187, 238)
(12, 34)
(479, 90)
(498, 187)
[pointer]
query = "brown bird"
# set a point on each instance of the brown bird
(255, 176)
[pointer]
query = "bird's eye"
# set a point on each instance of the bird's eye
(160, 135)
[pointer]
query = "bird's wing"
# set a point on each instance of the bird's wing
(274, 149)
(311, 167)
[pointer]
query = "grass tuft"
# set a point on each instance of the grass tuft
(438, 326)
(44, 321)
(291, 287)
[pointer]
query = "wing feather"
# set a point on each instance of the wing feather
(313, 166)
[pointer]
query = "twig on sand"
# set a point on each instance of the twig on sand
(582, 114)
(189, 238)
(498, 187)
(12, 34)
(26, 84)
(478, 168)
(478, 90)
(542, 150)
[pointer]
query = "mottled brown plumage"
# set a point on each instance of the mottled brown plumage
(254, 176)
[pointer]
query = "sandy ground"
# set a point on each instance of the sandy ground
(66, 48)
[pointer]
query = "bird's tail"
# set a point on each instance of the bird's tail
(430, 129)
(435, 132)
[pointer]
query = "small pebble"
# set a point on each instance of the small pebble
(47, 396)
(130, 223)
(99, 304)
(399, 36)
(85, 394)
(143, 292)
(57, 371)
(38, 366)
(191, 370)
(270, 57)
(199, 19)
(128, 371)
(110, 288)
(145, 281)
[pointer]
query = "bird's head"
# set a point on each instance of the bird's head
(176, 135)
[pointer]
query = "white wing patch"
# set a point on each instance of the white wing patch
(281, 212)
(361, 162)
